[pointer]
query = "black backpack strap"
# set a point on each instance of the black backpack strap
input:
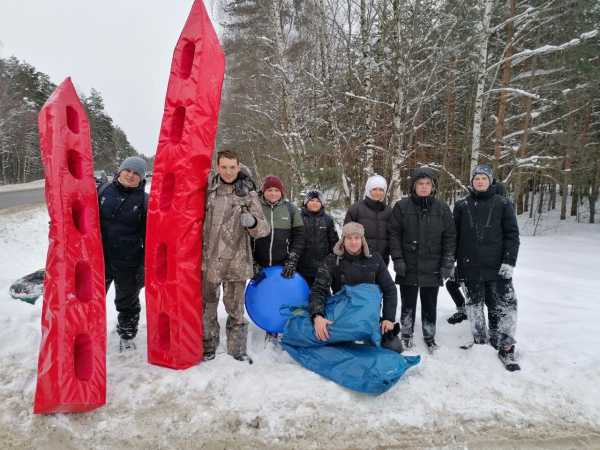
(357, 218)
(291, 211)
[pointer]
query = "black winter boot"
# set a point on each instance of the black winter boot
(507, 356)
(431, 346)
(457, 317)
(243, 357)
(391, 341)
(126, 345)
(494, 342)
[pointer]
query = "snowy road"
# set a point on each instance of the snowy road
(11, 199)
(454, 399)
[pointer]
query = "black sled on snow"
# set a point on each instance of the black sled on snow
(29, 288)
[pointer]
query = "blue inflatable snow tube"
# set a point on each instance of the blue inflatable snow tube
(268, 300)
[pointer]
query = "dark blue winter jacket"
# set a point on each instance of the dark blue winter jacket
(123, 223)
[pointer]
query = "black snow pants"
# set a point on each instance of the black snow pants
(408, 312)
(453, 288)
(309, 280)
(499, 297)
(128, 283)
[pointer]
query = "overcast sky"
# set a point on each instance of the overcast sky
(122, 48)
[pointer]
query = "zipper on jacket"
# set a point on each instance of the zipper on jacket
(272, 238)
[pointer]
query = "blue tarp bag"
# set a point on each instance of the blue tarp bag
(364, 367)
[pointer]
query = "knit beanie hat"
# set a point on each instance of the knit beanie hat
(483, 169)
(311, 195)
(352, 228)
(272, 181)
(135, 164)
(375, 181)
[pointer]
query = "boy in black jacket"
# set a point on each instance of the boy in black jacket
(352, 264)
(423, 244)
(453, 285)
(319, 236)
(123, 205)
(487, 248)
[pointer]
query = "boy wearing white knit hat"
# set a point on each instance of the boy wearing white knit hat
(373, 214)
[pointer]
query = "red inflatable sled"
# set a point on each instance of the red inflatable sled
(176, 205)
(72, 359)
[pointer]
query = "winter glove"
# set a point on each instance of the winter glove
(247, 220)
(391, 341)
(448, 272)
(259, 274)
(506, 271)
(400, 268)
(289, 267)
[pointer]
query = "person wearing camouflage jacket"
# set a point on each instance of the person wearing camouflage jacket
(233, 215)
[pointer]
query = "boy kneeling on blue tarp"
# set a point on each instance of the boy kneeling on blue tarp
(340, 335)
(351, 264)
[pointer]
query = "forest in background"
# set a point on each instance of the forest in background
(325, 93)
(23, 92)
(328, 92)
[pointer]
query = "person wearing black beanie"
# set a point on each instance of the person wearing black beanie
(319, 235)
(486, 254)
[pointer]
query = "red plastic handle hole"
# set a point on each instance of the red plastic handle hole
(75, 164)
(83, 360)
(187, 60)
(72, 120)
(161, 262)
(167, 192)
(177, 122)
(79, 216)
(83, 282)
(164, 332)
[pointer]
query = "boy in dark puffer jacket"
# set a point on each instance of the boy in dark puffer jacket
(123, 206)
(373, 214)
(319, 236)
(423, 242)
(486, 253)
(350, 264)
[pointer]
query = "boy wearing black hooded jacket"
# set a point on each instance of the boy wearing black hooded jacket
(422, 242)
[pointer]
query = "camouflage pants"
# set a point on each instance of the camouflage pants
(499, 296)
(237, 325)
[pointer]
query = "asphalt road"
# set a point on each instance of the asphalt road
(21, 198)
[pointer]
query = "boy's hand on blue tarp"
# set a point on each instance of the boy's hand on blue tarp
(386, 325)
(321, 328)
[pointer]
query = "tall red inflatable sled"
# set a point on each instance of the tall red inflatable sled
(72, 358)
(176, 206)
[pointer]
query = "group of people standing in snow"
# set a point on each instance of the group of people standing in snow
(247, 229)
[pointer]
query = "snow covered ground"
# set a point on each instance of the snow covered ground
(454, 399)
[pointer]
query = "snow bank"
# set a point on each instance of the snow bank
(37, 184)
(452, 398)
